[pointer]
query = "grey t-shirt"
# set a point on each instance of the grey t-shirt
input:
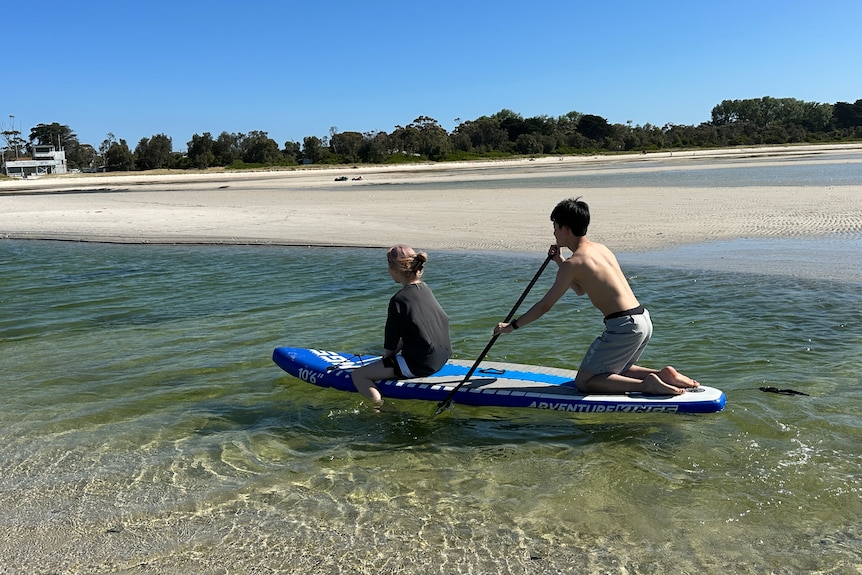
(416, 317)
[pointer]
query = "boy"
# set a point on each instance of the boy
(592, 269)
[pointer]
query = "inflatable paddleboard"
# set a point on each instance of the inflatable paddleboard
(493, 384)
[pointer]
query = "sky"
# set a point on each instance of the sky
(297, 69)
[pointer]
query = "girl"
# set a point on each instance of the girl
(416, 338)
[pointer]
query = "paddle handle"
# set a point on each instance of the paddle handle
(445, 403)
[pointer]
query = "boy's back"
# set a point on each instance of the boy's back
(595, 271)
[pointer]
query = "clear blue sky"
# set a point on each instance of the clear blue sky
(295, 69)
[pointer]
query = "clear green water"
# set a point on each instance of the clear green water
(145, 429)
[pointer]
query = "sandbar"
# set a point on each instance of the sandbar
(446, 206)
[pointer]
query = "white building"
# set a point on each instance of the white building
(46, 160)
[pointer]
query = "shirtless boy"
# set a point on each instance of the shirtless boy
(592, 269)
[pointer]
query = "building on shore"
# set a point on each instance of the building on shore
(46, 160)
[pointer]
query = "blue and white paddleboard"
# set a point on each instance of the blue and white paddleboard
(493, 384)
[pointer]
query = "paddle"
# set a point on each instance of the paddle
(448, 401)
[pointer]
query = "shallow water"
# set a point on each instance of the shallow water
(146, 429)
(816, 169)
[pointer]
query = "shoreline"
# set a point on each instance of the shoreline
(72, 182)
(449, 206)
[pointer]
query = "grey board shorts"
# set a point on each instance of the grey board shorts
(621, 344)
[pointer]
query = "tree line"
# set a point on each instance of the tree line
(757, 121)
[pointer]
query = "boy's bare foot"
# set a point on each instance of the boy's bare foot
(655, 386)
(671, 376)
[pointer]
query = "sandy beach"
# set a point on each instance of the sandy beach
(374, 207)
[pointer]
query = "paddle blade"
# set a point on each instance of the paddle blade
(444, 405)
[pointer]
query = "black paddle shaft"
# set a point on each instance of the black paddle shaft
(446, 402)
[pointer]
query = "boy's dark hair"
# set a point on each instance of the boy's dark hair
(574, 214)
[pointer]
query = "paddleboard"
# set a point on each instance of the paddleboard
(493, 384)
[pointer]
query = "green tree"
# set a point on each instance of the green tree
(58, 135)
(259, 148)
(200, 151)
(62, 138)
(375, 147)
(312, 149)
(153, 153)
(227, 149)
(528, 144)
(346, 146)
(106, 144)
(405, 139)
(569, 120)
(758, 111)
(119, 158)
(333, 131)
(735, 111)
(816, 117)
(482, 135)
(15, 144)
(846, 115)
(514, 125)
(594, 127)
(775, 133)
(432, 139)
(90, 159)
(544, 125)
(292, 152)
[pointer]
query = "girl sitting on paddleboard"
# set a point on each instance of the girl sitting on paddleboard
(416, 337)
